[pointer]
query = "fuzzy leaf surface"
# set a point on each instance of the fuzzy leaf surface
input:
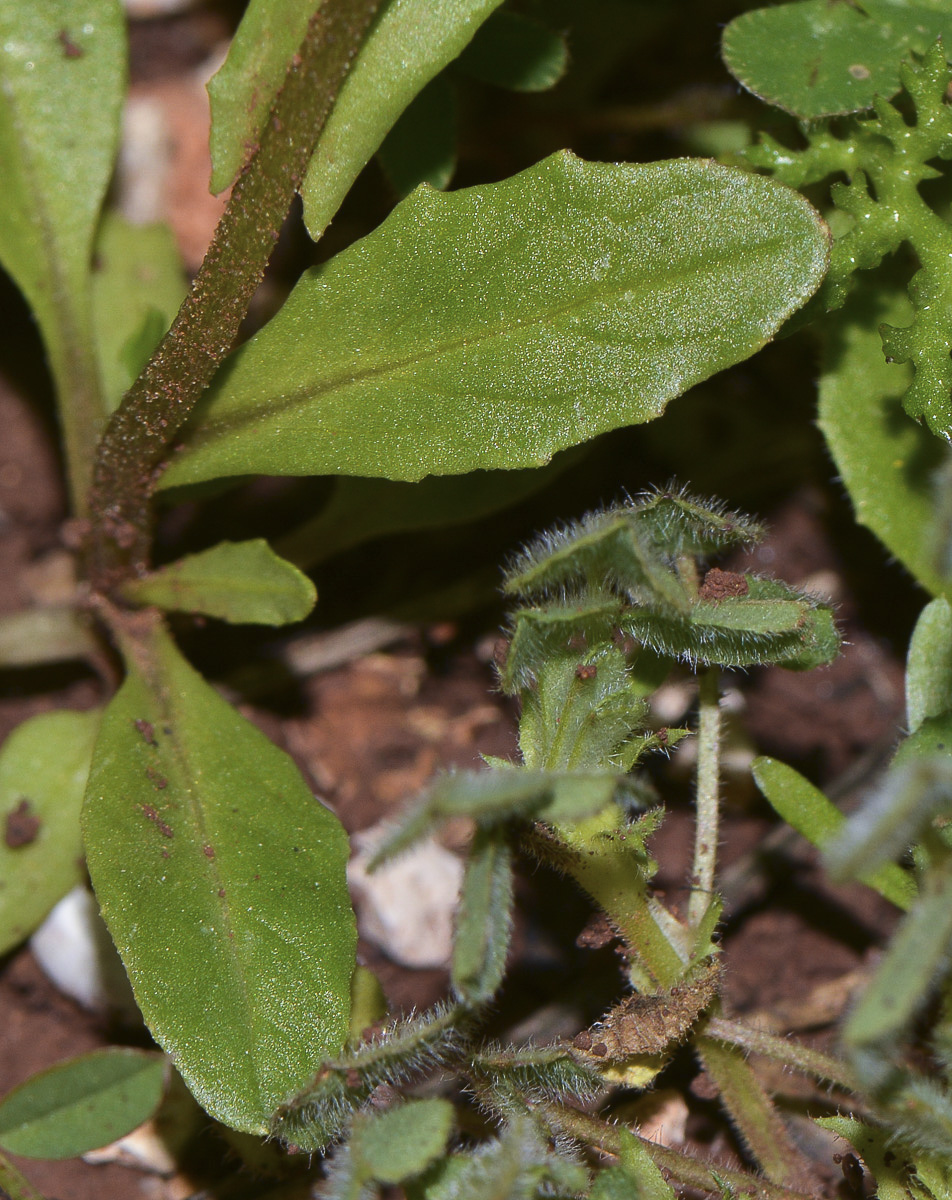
(43, 768)
(817, 818)
(403, 1141)
(240, 582)
(221, 880)
(62, 73)
(484, 920)
(138, 284)
(929, 665)
(817, 59)
(82, 1104)
(884, 459)
(496, 325)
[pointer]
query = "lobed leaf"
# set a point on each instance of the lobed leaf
(240, 582)
(82, 1103)
(499, 324)
(199, 832)
(816, 59)
(929, 665)
(44, 764)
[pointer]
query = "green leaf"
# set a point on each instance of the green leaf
(410, 43)
(878, 1151)
(496, 325)
(138, 284)
(484, 920)
(516, 52)
(43, 768)
(816, 818)
(421, 147)
(13, 1185)
(62, 75)
(82, 1103)
(817, 59)
(637, 1167)
(403, 1141)
(884, 459)
(221, 880)
(929, 665)
(240, 582)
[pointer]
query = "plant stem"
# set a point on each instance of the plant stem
(155, 408)
(791, 1054)
(708, 803)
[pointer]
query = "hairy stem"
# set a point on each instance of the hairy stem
(155, 408)
(791, 1054)
(706, 830)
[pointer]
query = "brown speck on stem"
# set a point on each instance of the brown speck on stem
(22, 826)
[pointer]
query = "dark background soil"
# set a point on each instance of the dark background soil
(370, 732)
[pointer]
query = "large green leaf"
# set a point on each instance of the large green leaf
(818, 59)
(241, 582)
(496, 325)
(43, 769)
(82, 1104)
(884, 459)
(62, 75)
(221, 880)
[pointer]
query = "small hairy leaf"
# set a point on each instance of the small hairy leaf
(240, 582)
(883, 459)
(811, 814)
(82, 1104)
(638, 1169)
(43, 768)
(138, 284)
(929, 665)
(484, 919)
(394, 1145)
(198, 832)
(540, 1073)
(817, 59)
(516, 52)
(411, 41)
(496, 325)
(62, 74)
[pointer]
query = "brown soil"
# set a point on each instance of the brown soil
(371, 732)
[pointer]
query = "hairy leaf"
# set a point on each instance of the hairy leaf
(43, 768)
(62, 78)
(499, 324)
(82, 1104)
(484, 920)
(818, 819)
(138, 284)
(817, 59)
(240, 582)
(882, 457)
(199, 834)
(929, 665)
(403, 1141)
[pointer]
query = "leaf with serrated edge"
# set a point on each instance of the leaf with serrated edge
(82, 1103)
(43, 768)
(496, 325)
(241, 582)
(62, 71)
(221, 880)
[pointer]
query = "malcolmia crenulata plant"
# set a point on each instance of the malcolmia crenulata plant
(479, 330)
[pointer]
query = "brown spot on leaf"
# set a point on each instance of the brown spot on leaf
(22, 826)
(208, 851)
(145, 730)
(163, 828)
(720, 585)
(70, 49)
(586, 671)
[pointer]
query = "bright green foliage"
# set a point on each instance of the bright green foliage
(885, 160)
(496, 325)
(811, 814)
(884, 460)
(817, 59)
(636, 1174)
(516, 52)
(221, 880)
(894, 1171)
(403, 1141)
(43, 768)
(929, 665)
(421, 147)
(240, 582)
(137, 286)
(82, 1103)
(484, 919)
(62, 75)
